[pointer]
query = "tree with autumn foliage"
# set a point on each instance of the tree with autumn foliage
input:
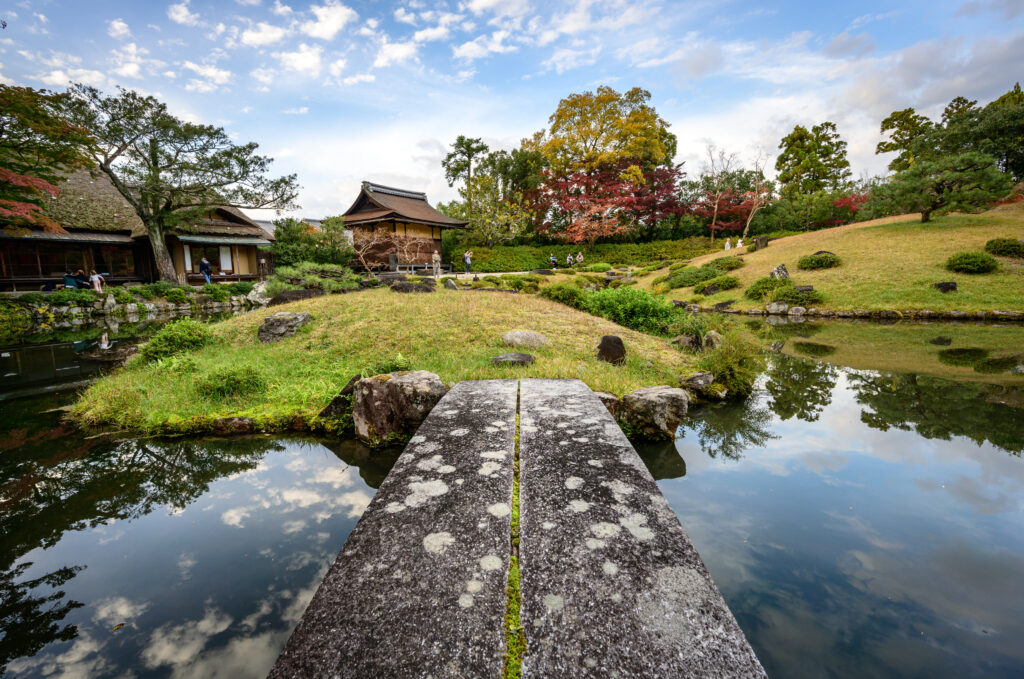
(39, 145)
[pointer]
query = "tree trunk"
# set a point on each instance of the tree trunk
(926, 216)
(161, 255)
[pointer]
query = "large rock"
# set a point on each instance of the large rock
(610, 401)
(513, 359)
(611, 349)
(712, 340)
(776, 307)
(797, 311)
(654, 412)
(391, 406)
(699, 382)
(280, 325)
(780, 272)
(109, 303)
(411, 287)
(524, 338)
(341, 403)
(543, 272)
(690, 342)
(233, 426)
(945, 286)
(293, 296)
(450, 284)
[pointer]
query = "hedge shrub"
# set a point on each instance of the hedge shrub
(972, 262)
(727, 263)
(177, 337)
(216, 292)
(227, 381)
(528, 257)
(240, 287)
(633, 308)
(762, 287)
(1005, 247)
(33, 298)
(600, 267)
(73, 297)
(723, 283)
(122, 295)
(826, 260)
(691, 275)
(176, 296)
(793, 297)
(565, 293)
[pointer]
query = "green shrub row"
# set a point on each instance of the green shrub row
(972, 262)
(176, 337)
(1005, 247)
(529, 257)
(825, 260)
(722, 282)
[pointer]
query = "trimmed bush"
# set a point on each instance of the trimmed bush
(216, 292)
(965, 357)
(723, 283)
(823, 261)
(972, 262)
(275, 286)
(122, 295)
(691, 275)
(176, 296)
(760, 289)
(633, 308)
(73, 297)
(240, 287)
(727, 263)
(994, 366)
(177, 337)
(33, 298)
(227, 381)
(564, 293)
(1005, 247)
(793, 297)
(158, 289)
(600, 267)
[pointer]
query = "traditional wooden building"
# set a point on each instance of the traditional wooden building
(105, 234)
(407, 226)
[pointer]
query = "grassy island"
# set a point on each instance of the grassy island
(452, 333)
(886, 264)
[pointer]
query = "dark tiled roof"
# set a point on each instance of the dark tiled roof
(377, 202)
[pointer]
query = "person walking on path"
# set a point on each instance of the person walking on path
(728, 244)
(467, 259)
(739, 243)
(96, 280)
(436, 261)
(206, 269)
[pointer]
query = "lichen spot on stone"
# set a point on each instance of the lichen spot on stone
(609, 568)
(579, 506)
(499, 509)
(430, 463)
(474, 586)
(595, 463)
(445, 469)
(616, 597)
(491, 562)
(419, 438)
(493, 454)
(547, 525)
(394, 507)
(458, 482)
(590, 662)
(605, 529)
(458, 432)
(594, 543)
(637, 525)
(466, 600)
(573, 482)
(554, 602)
(499, 423)
(421, 491)
(488, 468)
(438, 543)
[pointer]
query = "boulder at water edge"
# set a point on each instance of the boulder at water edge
(611, 349)
(392, 406)
(654, 412)
(610, 401)
(780, 272)
(524, 338)
(339, 405)
(776, 307)
(280, 325)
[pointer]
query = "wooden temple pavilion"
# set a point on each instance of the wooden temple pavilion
(410, 226)
(105, 234)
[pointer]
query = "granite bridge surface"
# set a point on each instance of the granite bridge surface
(610, 584)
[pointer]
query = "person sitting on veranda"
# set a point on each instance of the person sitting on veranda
(96, 280)
(70, 282)
(83, 280)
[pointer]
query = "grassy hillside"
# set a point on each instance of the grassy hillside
(891, 264)
(454, 334)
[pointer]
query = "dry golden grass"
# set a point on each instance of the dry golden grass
(891, 263)
(452, 333)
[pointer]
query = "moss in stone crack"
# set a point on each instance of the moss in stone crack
(515, 640)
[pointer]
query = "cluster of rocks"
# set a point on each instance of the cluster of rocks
(280, 325)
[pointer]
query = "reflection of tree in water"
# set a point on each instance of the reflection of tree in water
(800, 388)
(940, 409)
(729, 429)
(83, 486)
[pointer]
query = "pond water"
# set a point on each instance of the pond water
(863, 523)
(860, 522)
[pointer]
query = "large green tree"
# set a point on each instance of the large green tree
(943, 183)
(39, 145)
(904, 128)
(496, 218)
(812, 160)
(458, 164)
(173, 172)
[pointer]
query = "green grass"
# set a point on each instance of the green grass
(891, 264)
(515, 639)
(454, 334)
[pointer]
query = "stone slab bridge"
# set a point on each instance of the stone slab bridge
(610, 584)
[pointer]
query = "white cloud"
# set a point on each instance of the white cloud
(331, 17)
(248, 3)
(130, 59)
(41, 17)
(116, 610)
(566, 59)
(394, 53)
(336, 67)
(281, 10)
(405, 16)
(263, 34)
(360, 78)
(180, 14)
(499, 7)
(4, 80)
(305, 60)
(118, 29)
(439, 32)
(301, 110)
(235, 516)
(484, 45)
(218, 76)
(263, 75)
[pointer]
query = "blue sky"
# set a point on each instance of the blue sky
(338, 92)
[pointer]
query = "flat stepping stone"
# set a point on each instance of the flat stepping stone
(611, 585)
(513, 359)
(419, 588)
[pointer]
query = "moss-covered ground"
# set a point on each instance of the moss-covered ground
(452, 333)
(889, 264)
